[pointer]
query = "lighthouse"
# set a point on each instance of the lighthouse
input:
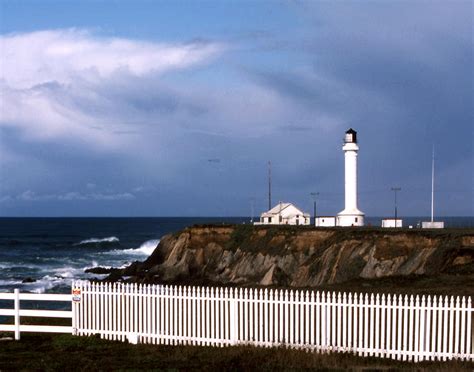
(351, 215)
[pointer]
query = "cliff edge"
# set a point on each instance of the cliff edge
(304, 257)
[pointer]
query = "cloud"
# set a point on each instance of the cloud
(63, 56)
(144, 189)
(32, 196)
(6, 198)
(79, 107)
(71, 196)
(121, 196)
(59, 84)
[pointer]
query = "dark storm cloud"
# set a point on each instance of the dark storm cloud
(301, 88)
(400, 73)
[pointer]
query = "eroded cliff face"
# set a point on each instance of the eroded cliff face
(301, 257)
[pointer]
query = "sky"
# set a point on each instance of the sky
(175, 108)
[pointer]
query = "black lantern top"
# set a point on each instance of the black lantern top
(351, 136)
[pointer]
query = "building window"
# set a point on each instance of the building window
(269, 219)
(356, 219)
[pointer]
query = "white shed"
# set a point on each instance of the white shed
(392, 222)
(432, 225)
(325, 221)
(284, 214)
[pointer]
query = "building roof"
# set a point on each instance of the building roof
(280, 207)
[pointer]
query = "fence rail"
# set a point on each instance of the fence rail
(17, 313)
(411, 328)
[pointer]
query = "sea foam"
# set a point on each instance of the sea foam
(108, 240)
(145, 249)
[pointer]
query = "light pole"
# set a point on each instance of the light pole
(314, 195)
(395, 189)
(252, 206)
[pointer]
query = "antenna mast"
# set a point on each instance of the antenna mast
(432, 184)
(269, 185)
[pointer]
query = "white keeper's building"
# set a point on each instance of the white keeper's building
(284, 214)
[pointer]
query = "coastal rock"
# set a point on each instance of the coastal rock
(99, 270)
(301, 256)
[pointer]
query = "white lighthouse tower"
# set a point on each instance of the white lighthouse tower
(351, 215)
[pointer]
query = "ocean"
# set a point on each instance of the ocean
(51, 252)
(46, 254)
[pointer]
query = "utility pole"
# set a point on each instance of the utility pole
(314, 195)
(269, 185)
(252, 206)
(395, 190)
(432, 183)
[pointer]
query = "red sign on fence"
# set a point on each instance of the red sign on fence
(76, 295)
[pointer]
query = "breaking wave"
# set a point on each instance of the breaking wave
(47, 282)
(145, 249)
(96, 241)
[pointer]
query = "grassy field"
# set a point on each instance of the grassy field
(65, 353)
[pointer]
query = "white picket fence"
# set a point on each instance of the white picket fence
(16, 312)
(398, 327)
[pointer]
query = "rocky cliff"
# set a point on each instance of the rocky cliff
(302, 257)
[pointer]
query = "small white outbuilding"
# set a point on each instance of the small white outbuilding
(432, 225)
(325, 221)
(284, 214)
(392, 222)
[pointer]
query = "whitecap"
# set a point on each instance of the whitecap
(38, 286)
(125, 265)
(145, 249)
(9, 282)
(110, 239)
(67, 272)
(47, 282)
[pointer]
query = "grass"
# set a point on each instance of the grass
(64, 352)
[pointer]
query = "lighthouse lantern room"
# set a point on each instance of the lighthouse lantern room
(351, 215)
(351, 136)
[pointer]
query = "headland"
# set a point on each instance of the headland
(357, 259)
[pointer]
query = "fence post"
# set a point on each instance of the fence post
(73, 309)
(470, 344)
(17, 313)
(233, 317)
